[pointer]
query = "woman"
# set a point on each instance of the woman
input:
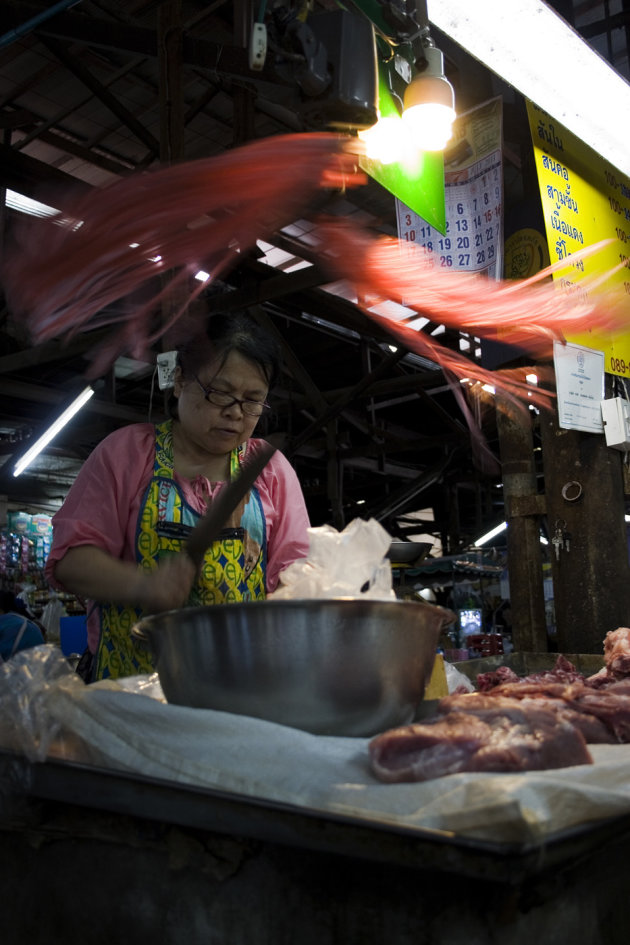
(135, 500)
(17, 631)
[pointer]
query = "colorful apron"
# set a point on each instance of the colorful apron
(233, 568)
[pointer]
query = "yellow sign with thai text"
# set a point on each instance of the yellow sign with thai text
(584, 200)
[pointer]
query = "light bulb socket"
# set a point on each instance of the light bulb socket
(430, 85)
(429, 90)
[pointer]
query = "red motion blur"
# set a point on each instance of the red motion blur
(64, 275)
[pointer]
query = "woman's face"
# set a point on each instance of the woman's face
(211, 428)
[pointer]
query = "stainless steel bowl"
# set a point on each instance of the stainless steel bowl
(341, 666)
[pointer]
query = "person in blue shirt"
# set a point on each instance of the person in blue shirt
(17, 632)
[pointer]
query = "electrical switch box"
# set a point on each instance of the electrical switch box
(616, 418)
(166, 363)
(258, 47)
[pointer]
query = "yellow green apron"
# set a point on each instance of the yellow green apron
(233, 569)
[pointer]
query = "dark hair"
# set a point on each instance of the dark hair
(226, 332)
(10, 603)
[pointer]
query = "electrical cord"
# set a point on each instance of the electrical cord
(153, 376)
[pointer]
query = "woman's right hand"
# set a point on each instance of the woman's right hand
(169, 586)
(90, 572)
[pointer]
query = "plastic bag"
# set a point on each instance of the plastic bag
(34, 686)
(350, 563)
(50, 618)
(27, 682)
(457, 681)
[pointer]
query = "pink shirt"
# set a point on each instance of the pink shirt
(102, 506)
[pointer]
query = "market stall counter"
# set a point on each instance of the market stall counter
(125, 818)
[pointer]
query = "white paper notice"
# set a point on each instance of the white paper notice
(580, 386)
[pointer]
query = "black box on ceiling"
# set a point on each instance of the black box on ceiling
(351, 98)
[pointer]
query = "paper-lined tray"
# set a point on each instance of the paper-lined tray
(125, 726)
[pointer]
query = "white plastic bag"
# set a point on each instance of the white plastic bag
(350, 563)
(51, 617)
(27, 682)
(456, 680)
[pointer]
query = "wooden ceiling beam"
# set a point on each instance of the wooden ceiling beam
(220, 56)
(52, 351)
(272, 285)
(74, 65)
(27, 175)
(293, 364)
(333, 410)
(56, 119)
(400, 499)
(20, 390)
(98, 158)
(41, 129)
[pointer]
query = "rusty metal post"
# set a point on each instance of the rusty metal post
(584, 489)
(523, 507)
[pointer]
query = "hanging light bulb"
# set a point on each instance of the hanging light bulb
(387, 141)
(429, 103)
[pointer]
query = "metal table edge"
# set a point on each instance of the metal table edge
(190, 806)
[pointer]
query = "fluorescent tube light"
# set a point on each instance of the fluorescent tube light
(16, 201)
(501, 528)
(483, 539)
(524, 41)
(53, 430)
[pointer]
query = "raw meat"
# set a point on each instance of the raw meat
(563, 671)
(495, 677)
(492, 734)
(598, 705)
(563, 701)
(544, 720)
(617, 652)
(611, 705)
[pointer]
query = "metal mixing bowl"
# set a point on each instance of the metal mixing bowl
(341, 666)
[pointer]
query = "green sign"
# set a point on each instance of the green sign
(419, 182)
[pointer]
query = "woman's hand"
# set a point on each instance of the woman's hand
(90, 572)
(168, 587)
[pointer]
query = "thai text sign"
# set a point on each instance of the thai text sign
(585, 200)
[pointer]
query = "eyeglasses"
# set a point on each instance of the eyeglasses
(221, 398)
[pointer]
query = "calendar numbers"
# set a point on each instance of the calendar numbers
(474, 219)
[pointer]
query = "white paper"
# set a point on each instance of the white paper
(580, 386)
(53, 714)
(250, 757)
